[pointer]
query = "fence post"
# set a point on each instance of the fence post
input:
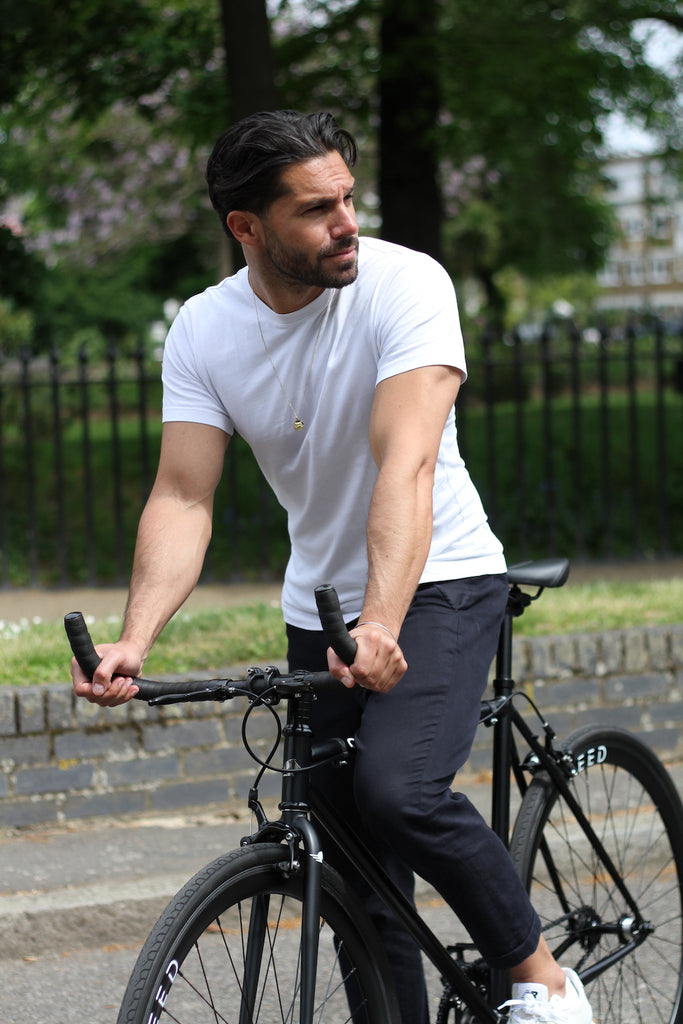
(577, 435)
(548, 452)
(490, 402)
(606, 490)
(142, 415)
(634, 462)
(30, 463)
(116, 461)
(660, 409)
(4, 536)
(520, 443)
(88, 492)
(55, 388)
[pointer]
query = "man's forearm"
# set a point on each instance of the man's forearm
(399, 534)
(169, 554)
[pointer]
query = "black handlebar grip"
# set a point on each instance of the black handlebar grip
(332, 621)
(81, 643)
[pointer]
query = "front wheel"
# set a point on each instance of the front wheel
(630, 952)
(227, 949)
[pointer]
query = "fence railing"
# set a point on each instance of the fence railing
(574, 438)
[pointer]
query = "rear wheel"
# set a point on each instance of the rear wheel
(636, 812)
(227, 949)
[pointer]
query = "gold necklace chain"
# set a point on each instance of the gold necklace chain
(298, 422)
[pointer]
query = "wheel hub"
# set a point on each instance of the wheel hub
(586, 927)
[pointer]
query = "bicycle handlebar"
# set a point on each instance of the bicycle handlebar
(549, 572)
(334, 627)
(88, 659)
(221, 689)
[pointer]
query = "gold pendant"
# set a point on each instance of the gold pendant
(298, 424)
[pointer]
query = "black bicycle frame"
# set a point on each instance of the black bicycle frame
(295, 826)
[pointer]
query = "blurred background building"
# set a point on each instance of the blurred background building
(644, 268)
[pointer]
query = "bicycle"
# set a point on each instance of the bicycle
(270, 932)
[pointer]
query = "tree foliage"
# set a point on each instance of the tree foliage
(102, 113)
(529, 104)
(94, 55)
(482, 127)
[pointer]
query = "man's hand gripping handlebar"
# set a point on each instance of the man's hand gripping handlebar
(156, 691)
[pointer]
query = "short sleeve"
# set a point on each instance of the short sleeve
(188, 392)
(417, 319)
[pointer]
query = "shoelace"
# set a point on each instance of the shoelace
(532, 1009)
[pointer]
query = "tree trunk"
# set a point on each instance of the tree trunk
(250, 78)
(409, 111)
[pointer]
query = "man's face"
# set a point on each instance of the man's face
(310, 234)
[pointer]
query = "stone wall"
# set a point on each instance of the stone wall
(62, 759)
(628, 678)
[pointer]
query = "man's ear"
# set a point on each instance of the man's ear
(244, 226)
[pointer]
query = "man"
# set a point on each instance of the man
(339, 361)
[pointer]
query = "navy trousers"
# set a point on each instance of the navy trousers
(410, 744)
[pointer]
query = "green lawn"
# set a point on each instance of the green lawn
(37, 652)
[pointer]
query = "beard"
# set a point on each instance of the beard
(295, 266)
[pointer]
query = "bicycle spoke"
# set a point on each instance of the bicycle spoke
(229, 952)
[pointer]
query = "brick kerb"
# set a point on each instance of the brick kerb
(62, 759)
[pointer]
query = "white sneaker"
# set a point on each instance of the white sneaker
(530, 1004)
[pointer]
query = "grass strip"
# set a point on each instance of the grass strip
(214, 639)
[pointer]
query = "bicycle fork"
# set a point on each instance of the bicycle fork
(296, 828)
(310, 931)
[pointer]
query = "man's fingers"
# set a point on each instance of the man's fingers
(112, 684)
(379, 663)
(119, 691)
(378, 666)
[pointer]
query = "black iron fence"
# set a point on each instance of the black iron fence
(573, 436)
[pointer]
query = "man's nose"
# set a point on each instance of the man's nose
(345, 222)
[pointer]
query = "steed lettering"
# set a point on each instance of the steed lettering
(162, 992)
(587, 758)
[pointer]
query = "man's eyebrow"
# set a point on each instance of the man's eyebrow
(314, 198)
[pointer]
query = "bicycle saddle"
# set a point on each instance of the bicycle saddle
(546, 572)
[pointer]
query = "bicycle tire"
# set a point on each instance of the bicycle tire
(635, 809)
(191, 969)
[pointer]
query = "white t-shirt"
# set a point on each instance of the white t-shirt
(400, 314)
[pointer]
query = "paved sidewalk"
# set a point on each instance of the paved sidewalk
(100, 882)
(105, 882)
(103, 602)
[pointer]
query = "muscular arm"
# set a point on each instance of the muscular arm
(174, 530)
(173, 535)
(407, 422)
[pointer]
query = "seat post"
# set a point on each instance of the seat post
(502, 732)
(503, 680)
(502, 755)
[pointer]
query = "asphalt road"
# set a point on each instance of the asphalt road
(65, 988)
(86, 986)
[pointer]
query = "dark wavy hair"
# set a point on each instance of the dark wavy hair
(244, 169)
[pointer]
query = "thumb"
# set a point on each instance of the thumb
(339, 670)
